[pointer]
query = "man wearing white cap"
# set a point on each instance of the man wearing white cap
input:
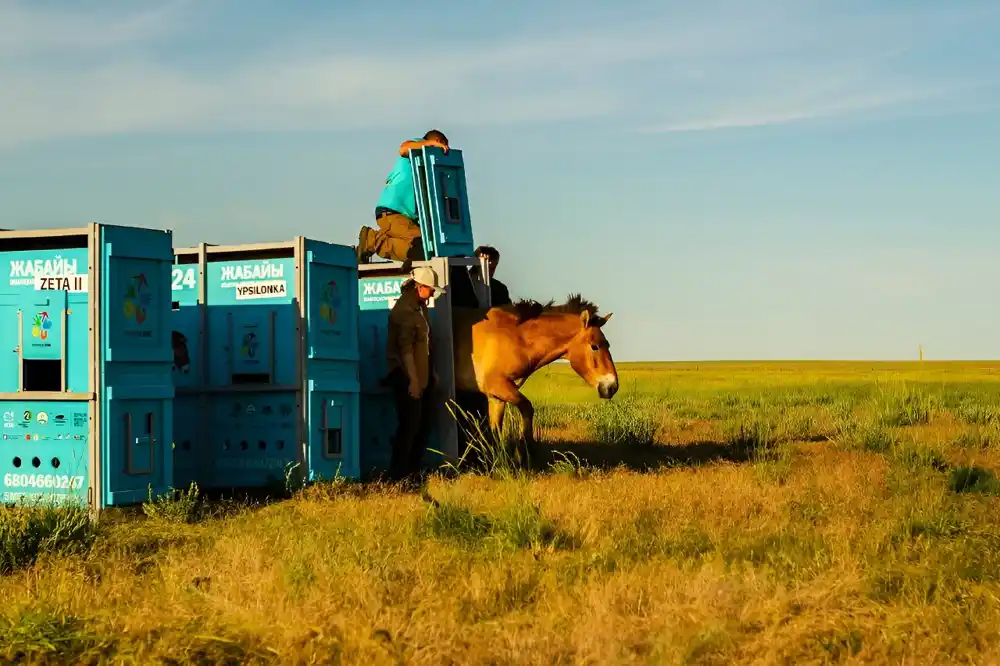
(411, 373)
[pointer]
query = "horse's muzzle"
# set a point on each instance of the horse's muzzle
(607, 387)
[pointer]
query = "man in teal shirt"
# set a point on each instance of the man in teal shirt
(398, 235)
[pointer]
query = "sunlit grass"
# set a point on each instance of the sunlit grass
(788, 513)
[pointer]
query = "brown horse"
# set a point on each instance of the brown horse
(496, 350)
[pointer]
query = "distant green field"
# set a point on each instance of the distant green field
(705, 377)
(712, 513)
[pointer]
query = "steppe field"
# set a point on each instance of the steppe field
(712, 513)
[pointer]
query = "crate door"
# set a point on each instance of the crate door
(333, 433)
(377, 429)
(43, 342)
(332, 360)
(331, 303)
(139, 435)
(442, 202)
(136, 424)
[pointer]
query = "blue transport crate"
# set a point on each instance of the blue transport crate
(442, 202)
(86, 395)
(266, 363)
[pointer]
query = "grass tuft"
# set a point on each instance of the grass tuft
(625, 421)
(28, 532)
(915, 457)
(485, 452)
(754, 438)
(175, 506)
(865, 434)
(49, 637)
(899, 404)
(974, 480)
(976, 412)
(568, 464)
(519, 525)
(981, 438)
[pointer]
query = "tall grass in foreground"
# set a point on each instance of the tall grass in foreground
(485, 452)
(35, 530)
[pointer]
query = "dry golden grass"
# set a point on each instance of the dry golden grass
(761, 514)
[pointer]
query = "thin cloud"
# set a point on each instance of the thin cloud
(834, 106)
(27, 30)
(859, 79)
(691, 71)
(517, 80)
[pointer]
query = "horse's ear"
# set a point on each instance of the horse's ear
(607, 317)
(585, 318)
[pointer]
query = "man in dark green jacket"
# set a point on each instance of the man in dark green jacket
(412, 378)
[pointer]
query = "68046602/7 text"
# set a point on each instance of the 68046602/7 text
(53, 481)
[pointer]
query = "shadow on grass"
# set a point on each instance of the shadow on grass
(639, 458)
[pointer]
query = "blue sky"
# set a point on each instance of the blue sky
(732, 178)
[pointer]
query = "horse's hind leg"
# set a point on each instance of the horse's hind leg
(503, 390)
(497, 407)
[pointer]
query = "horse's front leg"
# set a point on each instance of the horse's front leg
(527, 442)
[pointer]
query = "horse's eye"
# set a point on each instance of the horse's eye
(594, 348)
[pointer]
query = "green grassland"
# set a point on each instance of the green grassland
(712, 513)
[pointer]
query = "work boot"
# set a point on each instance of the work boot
(363, 248)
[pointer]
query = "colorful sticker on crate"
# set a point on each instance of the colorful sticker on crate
(249, 347)
(330, 302)
(137, 299)
(40, 325)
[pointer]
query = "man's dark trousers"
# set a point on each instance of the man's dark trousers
(414, 422)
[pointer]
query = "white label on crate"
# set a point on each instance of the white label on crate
(262, 271)
(388, 287)
(54, 481)
(252, 290)
(43, 495)
(74, 283)
(24, 271)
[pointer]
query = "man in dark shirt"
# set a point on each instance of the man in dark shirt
(498, 290)
(410, 357)
(474, 403)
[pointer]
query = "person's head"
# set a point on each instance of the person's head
(492, 255)
(436, 135)
(426, 282)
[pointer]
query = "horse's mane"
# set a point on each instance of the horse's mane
(528, 309)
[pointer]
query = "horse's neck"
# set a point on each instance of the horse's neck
(549, 337)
